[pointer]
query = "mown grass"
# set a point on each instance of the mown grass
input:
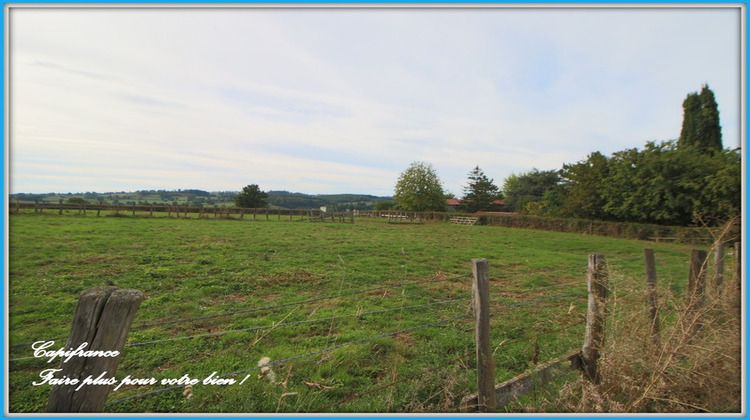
(196, 268)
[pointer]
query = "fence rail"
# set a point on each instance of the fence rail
(657, 233)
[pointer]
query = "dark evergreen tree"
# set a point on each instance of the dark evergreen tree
(481, 191)
(701, 130)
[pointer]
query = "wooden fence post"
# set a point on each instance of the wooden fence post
(697, 277)
(719, 265)
(485, 365)
(593, 343)
(61, 206)
(101, 320)
(653, 308)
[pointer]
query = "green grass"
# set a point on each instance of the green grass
(190, 268)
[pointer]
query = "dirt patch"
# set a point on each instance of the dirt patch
(406, 339)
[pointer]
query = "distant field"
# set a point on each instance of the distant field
(316, 286)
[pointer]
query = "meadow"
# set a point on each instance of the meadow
(365, 317)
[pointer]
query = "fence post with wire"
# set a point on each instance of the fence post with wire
(594, 341)
(485, 364)
(100, 324)
(94, 307)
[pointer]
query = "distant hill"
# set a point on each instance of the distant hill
(276, 199)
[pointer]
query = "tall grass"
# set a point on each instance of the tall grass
(694, 365)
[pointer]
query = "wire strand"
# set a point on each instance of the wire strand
(283, 305)
(306, 321)
(301, 356)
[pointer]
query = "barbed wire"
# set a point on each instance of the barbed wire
(534, 289)
(306, 321)
(301, 356)
(501, 306)
(269, 308)
(302, 302)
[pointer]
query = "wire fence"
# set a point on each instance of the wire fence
(507, 300)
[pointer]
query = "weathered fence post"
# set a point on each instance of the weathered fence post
(697, 277)
(719, 265)
(485, 365)
(61, 206)
(593, 343)
(653, 308)
(101, 322)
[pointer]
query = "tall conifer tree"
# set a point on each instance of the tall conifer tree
(701, 130)
(481, 191)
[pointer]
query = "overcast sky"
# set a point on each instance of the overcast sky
(335, 100)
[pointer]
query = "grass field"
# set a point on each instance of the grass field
(369, 314)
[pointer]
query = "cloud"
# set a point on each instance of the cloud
(333, 100)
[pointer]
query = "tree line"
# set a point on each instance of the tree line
(689, 181)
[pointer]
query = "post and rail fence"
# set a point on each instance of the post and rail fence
(656, 233)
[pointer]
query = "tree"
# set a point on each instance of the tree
(672, 185)
(419, 189)
(481, 191)
(251, 197)
(701, 130)
(582, 187)
(530, 186)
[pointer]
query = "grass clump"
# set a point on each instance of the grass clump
(693, 365)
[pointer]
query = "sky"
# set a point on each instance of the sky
(344, 99)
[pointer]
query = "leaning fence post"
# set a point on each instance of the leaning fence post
(101, 322)
(594, 340)
(653, 308)
(485, 364)
(719, 263)
(697, 277)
